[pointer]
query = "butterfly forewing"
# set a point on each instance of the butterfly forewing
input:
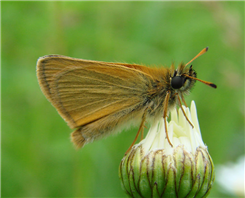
(86, 91)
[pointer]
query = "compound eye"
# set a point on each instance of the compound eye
(177, 82)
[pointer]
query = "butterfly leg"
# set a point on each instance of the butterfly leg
(142, 133)
(141, 128)
(183, 110)
(182, 98)
(165, 111)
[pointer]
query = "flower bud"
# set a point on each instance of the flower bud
(153, 168)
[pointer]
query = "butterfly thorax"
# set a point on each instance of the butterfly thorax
(172, 81)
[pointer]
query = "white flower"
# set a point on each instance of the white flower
(153, 168)
(231, 177)
(179, 130)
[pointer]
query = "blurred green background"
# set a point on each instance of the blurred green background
(38, 159)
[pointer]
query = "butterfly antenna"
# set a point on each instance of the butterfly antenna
(199, 54)
(203, 81)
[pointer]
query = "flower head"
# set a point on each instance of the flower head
(153, 168)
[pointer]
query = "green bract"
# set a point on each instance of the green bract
(153, 168)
